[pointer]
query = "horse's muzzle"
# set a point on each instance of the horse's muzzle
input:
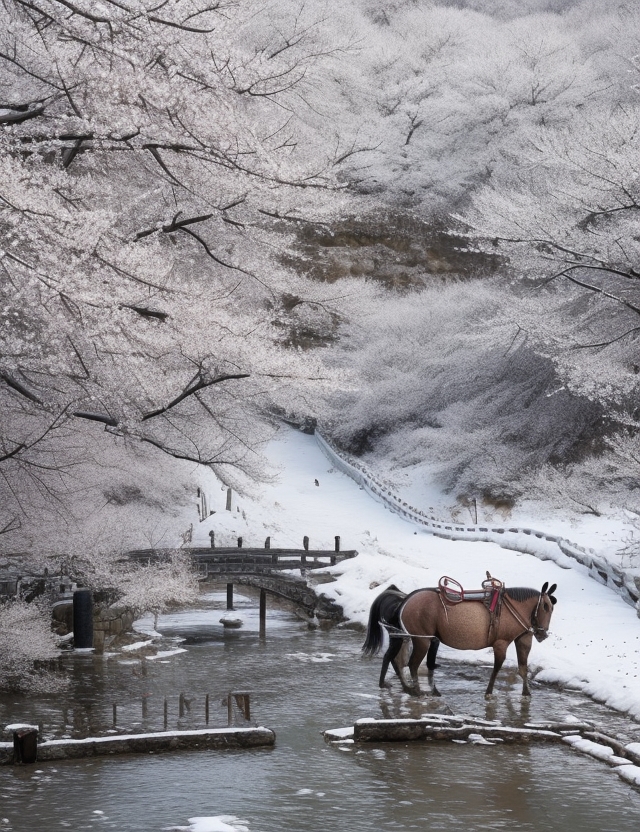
(540, 634)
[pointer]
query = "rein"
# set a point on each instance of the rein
(532, 628)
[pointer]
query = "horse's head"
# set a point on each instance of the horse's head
(541, 616)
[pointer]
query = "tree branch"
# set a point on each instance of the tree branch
(192, 388)
(19, 388)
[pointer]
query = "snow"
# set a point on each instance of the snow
(595, 636)
(630, 773)
(17, 726)
(215, 823)
(596, 749)
(138, 645)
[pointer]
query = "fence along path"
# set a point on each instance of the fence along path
(529, 541)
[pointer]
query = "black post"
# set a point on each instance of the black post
(239, 543)
(229, 596)
(166, 714)
(82, 619)
(263, 612)
(337, 539)
(305, 543)
(25, 745)
(228, 499)
(212, 535)
(267, 543)
(206, 709)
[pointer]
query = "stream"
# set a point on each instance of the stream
(303, 682)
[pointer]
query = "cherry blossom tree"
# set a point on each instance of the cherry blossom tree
(152, 161)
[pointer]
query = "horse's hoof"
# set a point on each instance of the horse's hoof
(435, 692)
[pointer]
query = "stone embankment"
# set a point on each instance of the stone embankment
(529, 541)
(624, 758)
(156, 743)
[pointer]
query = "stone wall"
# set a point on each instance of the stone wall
(109, 622)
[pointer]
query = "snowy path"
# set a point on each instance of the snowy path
(595, 636)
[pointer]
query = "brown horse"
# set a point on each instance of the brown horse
(468, 625)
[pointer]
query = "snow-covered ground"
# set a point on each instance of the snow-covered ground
(595, 636)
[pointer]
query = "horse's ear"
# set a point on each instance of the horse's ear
(545, 586)
(552, 589)
(553, 600)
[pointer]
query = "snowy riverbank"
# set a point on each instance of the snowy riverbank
(595, 634)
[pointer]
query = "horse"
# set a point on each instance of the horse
(384, 612)
(428, 614)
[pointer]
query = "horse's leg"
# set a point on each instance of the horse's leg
(499, 655)
(401, 662)
(432, 652)
(420, 647)
(384, 668)
(523, 646)
(395, 644)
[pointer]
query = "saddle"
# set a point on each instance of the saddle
(490, 593)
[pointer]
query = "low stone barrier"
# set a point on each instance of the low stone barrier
(156, 743)
(624, 758)
(528, 541)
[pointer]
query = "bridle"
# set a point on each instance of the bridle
(534, 628)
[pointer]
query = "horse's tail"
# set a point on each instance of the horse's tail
(385, 608)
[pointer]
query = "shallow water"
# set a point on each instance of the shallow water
(301, 683)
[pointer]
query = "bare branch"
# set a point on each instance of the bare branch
(20, 388)
(192, 388)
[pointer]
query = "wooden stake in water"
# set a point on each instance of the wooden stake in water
(115, 714)
(263, 613)
(206, 709)
(166, 714)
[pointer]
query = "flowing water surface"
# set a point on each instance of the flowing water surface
(303, 682)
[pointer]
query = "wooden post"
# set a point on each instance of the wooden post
(166, 713)
(228, 499)
(267, 543)
(242, 701)
(239, 543)
(229, 596)
(145, 711)
(337, 539)
(263, 612)
(305, 543)
(229, 709)
(181, 705)
(206, 709)
(212, 535)
(115, 714)
(25, 746)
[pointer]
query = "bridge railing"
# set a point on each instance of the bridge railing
(225, 561)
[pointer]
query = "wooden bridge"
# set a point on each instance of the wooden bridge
(266, 569)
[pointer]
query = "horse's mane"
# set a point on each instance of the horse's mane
(521, 593)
